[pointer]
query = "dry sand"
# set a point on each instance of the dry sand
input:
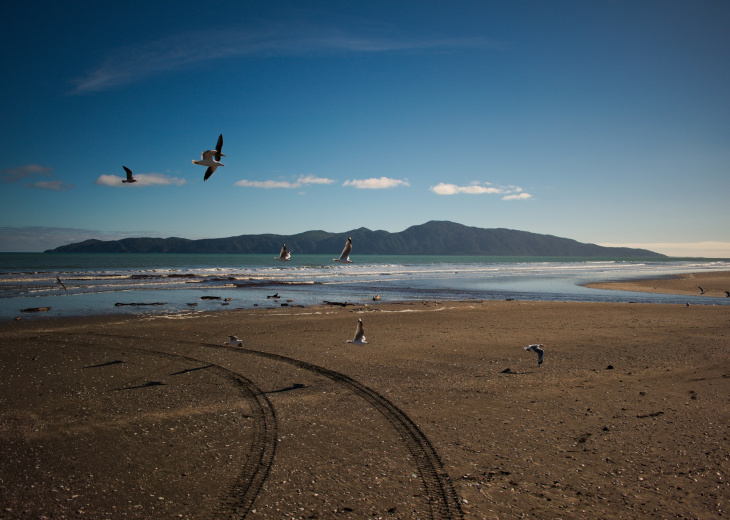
(153, 417)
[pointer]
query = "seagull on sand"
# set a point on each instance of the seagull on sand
(234, 341)
(540, 352)
(284, 255)
(211, 158)
(58, 281)
(345, 256)
(129, 175)
(359, 338)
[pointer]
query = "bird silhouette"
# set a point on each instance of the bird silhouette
(129, 175)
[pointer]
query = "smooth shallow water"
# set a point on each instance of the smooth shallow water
(96, 282)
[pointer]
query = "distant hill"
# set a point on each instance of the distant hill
(431, 238)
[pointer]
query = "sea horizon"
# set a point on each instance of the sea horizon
(168, 283)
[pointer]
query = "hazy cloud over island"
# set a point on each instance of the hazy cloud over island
(40, 238)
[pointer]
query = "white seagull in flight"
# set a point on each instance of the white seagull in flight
(359, 338)
(211, 159)
(540, 352)
(129, 175)
(284, 255)
(345, 256)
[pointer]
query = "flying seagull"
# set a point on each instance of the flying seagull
(129, 175)
(345, 256)
(727, 294)
(702, 291)
(234, 341)
(58, 281)
(284, 255)
(359, 338)
(540, 352)
(211, 158)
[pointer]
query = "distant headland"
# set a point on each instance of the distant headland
(431, 238)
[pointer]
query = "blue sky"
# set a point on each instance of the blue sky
(606, 122)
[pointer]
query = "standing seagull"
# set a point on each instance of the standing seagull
(345, 256)
(58, 281)
(359, 338)
(540, 352)
(234, 341)
(211, 158)
(129, 175)
(284, 255)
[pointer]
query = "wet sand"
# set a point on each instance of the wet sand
(711, 285)
(441, 415)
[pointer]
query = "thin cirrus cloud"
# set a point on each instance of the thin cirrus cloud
(49, 185)
(30, 171)
(475, 188)
(143, 179)
(379, 183)
(134, 63)
(8, 175)
(300, 182)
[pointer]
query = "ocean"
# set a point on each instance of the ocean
(174, 283)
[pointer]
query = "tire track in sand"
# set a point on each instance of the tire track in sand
(442, 497)
(239, 499)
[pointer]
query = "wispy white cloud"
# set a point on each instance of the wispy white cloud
(8, 175)
(271, 184)
(475, 188)
(143, 179)
(679, 249)
(376, 183)
(517, 196)
(444, 188)
(49, 185)
(137, 62)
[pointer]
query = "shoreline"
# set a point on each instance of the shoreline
(714, 284)
(152, 416)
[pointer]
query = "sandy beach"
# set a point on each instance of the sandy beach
(710, 285)
(443, 414)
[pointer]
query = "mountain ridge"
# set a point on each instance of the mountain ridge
(431, 238)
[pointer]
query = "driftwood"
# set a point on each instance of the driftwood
(341, 304)
(36, 309)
